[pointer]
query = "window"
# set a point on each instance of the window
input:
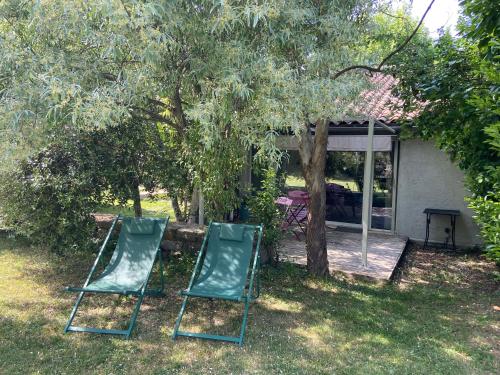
(344, 186)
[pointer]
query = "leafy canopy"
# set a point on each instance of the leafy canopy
(459, 82)
(258, 66)
(222, 75)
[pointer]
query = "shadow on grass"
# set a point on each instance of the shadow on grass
(300, 324)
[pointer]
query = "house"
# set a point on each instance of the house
(409, 175)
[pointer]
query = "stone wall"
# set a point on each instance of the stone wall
(183, 237)
(178, 237)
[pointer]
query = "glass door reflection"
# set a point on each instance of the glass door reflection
(381, 215)
(344, 174)
(344, 186)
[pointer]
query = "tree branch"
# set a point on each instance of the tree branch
(178, 109)
(378, 68)
(154, 116)
(161, 104)
(353, 67)
(392, 15)
(410, 37)
(109, 76)
(306, 146)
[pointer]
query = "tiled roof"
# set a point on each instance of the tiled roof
(378, 102)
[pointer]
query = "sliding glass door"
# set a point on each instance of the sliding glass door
(383, 176)
(344, 186)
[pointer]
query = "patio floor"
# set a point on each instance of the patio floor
(344, 253)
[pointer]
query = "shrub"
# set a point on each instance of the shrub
(487, 215)
(49, 198)
(263, 210)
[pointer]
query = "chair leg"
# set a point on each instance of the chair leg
(244, 323)
(179, 318)
(255, 292)
(73, 312)
(236, 340)
(162, 277)
(158, 292)
(258, 286)
(126, 333)
(134, 315)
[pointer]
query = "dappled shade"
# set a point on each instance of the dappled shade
(222, 272)
(129, 269)
(225, 267)
(133, 257)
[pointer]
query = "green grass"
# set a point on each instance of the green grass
(158, 207)
(438, 320)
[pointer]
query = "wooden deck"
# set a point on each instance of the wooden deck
(344, 253)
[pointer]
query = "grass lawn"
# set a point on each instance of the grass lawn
(439, 318)
(157, 207)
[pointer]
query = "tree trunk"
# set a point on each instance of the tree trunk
(136, 196)
(179, 217)
(313, 157)
(195, 204)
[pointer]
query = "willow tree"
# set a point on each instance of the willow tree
(309, 62)
(222, 76)
(81, 66)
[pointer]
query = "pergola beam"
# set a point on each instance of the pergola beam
(387, 127)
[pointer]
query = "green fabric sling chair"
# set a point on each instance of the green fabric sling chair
(129, 269)
(222, 272)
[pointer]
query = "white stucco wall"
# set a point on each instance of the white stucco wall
(427, 178)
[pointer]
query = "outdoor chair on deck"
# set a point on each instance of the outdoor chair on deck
(129, 269)
(222, 272)
(295, 211)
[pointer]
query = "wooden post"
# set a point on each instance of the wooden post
(367, 190)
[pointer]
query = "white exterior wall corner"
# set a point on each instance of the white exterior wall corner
(427, 178)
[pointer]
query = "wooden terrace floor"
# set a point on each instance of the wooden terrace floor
(344, 253)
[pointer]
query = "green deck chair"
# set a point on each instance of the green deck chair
(222, 272)
(129, 269)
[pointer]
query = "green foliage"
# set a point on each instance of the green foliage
(198, 67)
(459, 82)
(483, 25)
(217, 171)
(220, 78)
(392, 28)
(138, 154)
(487, 210)
(263, 210)
(50, 197)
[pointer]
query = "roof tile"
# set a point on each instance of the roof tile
(379, 102)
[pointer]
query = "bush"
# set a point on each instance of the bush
(49, 198)
(263, 210)
(487, 209)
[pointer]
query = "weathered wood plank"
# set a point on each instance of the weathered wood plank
(344, 253)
